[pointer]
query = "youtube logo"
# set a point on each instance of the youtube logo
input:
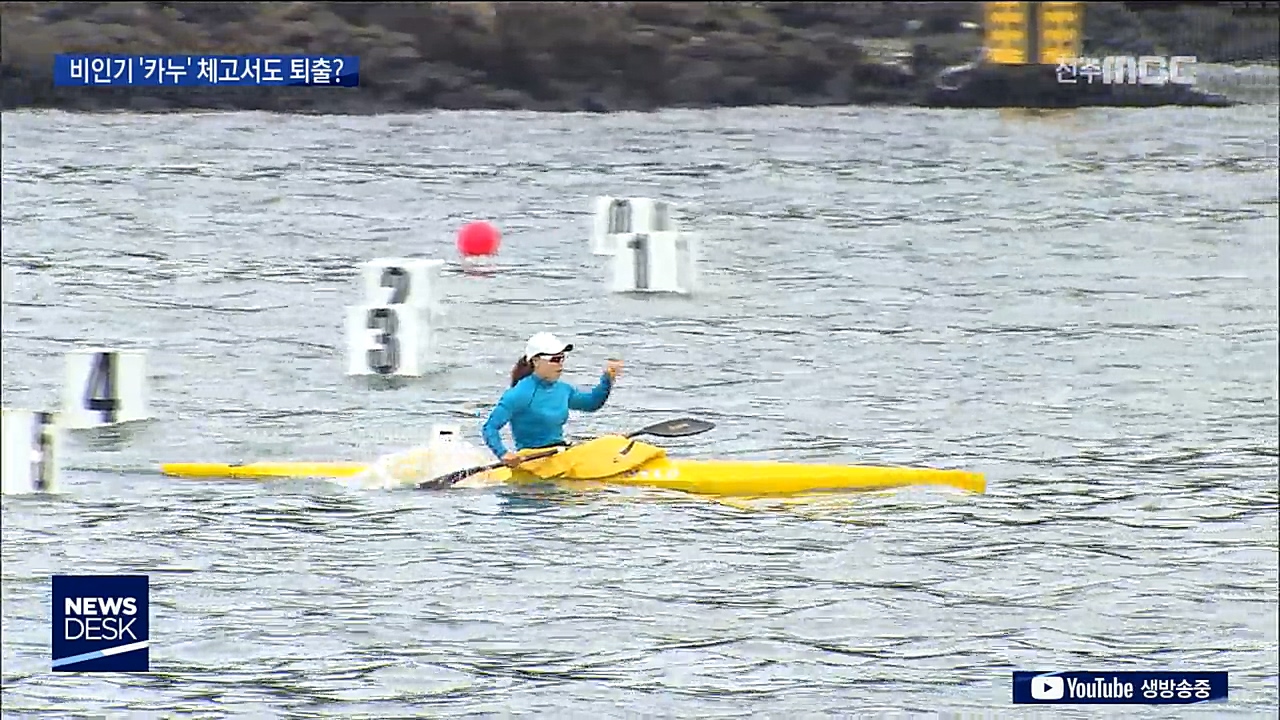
(1045, 687)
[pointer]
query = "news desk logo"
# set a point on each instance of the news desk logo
(101, 623)
(1128, 70)
(1118, 688)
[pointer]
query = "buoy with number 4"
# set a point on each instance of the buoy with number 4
(478, 238)
(104, 387)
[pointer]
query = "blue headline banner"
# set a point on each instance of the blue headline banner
(90, 70)
(101, 623)
(1118, 688)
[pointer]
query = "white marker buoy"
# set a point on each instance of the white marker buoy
(450, 451)
(103, 387)
(444, 434)
(654, 262)
(30, 452)
(389, 340)
(613, 217)
(402, 281)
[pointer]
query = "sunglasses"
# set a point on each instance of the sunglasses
(557, 359)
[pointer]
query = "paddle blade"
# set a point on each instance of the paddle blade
(679, 427)
(444, 482)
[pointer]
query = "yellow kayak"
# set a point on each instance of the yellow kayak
(264, 470)
(702, 477)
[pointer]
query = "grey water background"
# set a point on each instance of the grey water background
(1082, 306)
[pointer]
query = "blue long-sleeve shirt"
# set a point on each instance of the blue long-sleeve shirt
(537, 411)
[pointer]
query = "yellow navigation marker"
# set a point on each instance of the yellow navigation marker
(1032, 33)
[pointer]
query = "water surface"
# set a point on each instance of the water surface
(1081, 306)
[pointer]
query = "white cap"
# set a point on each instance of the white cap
(545, 344)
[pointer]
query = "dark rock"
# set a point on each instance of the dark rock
(594, 57)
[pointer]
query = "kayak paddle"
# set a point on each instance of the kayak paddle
(680, 427)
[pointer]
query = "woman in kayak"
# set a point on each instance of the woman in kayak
(537, 404)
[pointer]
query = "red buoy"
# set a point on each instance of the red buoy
(478, 238)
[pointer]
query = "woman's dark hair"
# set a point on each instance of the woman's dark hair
(523, 369)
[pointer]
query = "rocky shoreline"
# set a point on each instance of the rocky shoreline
(568, 56)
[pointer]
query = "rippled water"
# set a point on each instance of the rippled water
(1082, 306)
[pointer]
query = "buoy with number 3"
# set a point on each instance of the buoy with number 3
(478, 238)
